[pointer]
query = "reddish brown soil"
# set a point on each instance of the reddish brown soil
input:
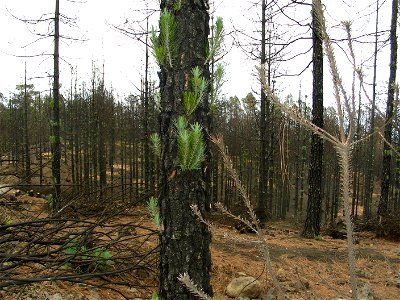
(306, 269)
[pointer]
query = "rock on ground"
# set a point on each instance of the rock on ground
(244, 287)
(366, 293)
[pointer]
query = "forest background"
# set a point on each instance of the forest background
(107, 126)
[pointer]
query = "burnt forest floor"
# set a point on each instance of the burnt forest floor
(306, 268)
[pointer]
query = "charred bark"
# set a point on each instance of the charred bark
(312, 224)
(184, 241)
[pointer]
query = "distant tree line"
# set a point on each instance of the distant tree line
(103, 149)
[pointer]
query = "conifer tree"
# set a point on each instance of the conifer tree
(313, 219)
(55, 137)
(181, 49)
(387, 152)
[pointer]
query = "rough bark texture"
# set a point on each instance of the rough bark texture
(312, 224)
(184, 241)
(55, 142)
(262, 188)
(387, 154)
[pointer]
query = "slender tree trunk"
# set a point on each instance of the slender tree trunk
(101, 108)
(184, 241)
(72, 128)
(55, 141)
(94, 136)
(298, 161)
(27, 154)
(396, 204)
(111, 156)
(303, 161)
(146, 147)
(40, 141)
(78, 148)
(387, 154)
(270, 134)
(262, 186)
(133, 162)
(313, 220)
(369, 174)
(86, 150)
(355, 161)
(122, 157)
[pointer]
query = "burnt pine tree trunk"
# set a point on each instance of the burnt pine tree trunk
(112, 150)
(72, 140)
(184, 241)
(262, 188)
(146, 146)
(55, 140)
(303, 163)
(312, 224)
(102, 118)
(387, 154)
(94, 121)
(102, 135)
(122, 152)
(85, 137)
(40, 141)
(27, 154)
(370, 161)
(298, 160)
(356, 164)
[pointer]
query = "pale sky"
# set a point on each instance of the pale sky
(124, 57)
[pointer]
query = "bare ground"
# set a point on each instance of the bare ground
(306, 269)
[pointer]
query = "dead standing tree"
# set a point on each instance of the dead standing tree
(344, 142)
(387, 152)
(312, 223)
(55, 124)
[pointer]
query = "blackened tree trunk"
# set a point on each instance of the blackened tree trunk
(184, 241)
(303, 164)
(356, 163)
(370, 161)
(27, 154)
(146, 146)
(262, 188)
(387, 154)
(298, 160)
(102, 118)
(86, 155)
(133, 162)
(94, 121)
(102, 135)
(55, 140)
(112, 150)
(312, 224)
(72, 141)
(41, 130)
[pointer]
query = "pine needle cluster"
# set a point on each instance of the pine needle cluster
(216, 41)
(152, 207)
(191, 99)
(190, 144)
(155, 144)
(163, 45)
(217, 84)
